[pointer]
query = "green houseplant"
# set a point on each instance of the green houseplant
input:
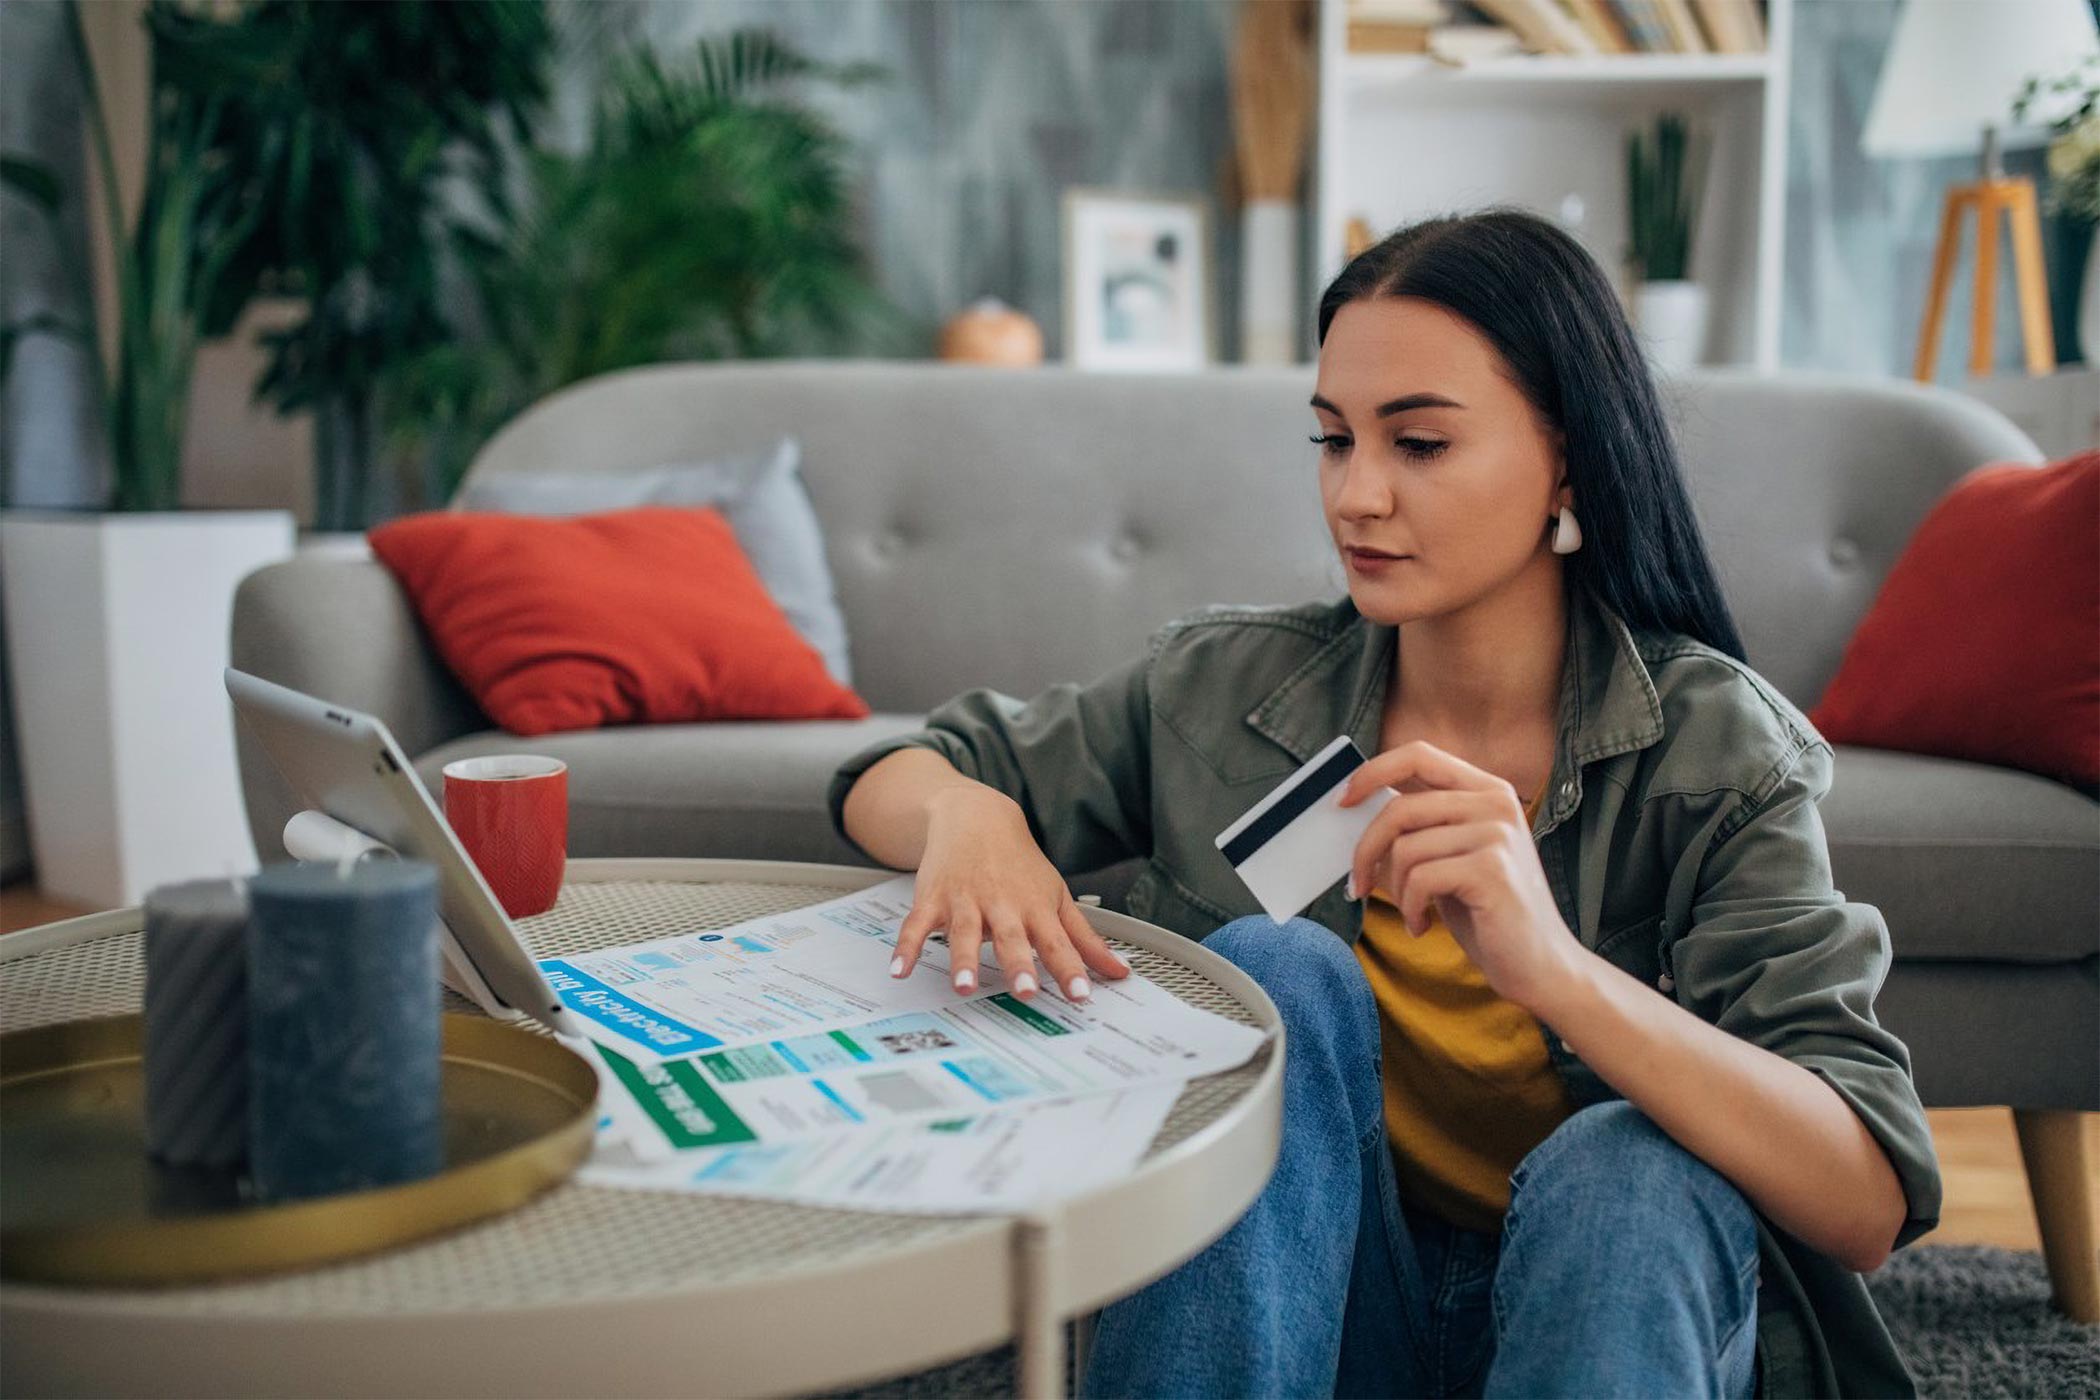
(302, 149)
(1665, 179)
(169, 263)
(707, 217)
(117, 620)
(350, 128)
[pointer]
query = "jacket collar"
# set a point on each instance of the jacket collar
(1608, 703)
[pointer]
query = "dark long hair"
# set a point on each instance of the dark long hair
(1546, 306)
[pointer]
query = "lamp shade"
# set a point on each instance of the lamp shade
(1955, 66)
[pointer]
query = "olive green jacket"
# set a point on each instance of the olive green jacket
(1680, 834)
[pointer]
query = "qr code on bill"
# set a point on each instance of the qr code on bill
(912, 1041)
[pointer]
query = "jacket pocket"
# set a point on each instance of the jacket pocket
(1231, 758)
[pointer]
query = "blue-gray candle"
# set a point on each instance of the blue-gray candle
(343, 1030)
(195, 1042)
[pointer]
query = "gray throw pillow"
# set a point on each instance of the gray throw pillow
(760, 493)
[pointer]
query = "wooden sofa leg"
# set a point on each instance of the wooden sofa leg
(2059, 1177)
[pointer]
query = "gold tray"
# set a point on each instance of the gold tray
(81, 1203)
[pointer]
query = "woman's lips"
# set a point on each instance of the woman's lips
(1371, 563)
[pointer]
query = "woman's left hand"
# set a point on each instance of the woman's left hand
(1460, 839)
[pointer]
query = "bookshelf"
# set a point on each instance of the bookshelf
(1401, 136)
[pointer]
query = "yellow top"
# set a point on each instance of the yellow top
(1469, 1087)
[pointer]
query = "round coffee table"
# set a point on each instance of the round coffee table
(597, 1290)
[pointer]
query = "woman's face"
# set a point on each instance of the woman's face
(1433, 454)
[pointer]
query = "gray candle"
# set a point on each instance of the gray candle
(196, 1044)
(343, 1029)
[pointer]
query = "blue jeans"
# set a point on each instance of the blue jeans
(1624, 1266)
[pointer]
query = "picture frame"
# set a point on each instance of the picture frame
(1137, 272)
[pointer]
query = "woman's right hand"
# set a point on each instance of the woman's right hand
(983, 876)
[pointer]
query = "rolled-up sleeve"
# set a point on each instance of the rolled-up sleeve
(1076, 758)
(1779, 957)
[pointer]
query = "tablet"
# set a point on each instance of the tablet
(344, 763)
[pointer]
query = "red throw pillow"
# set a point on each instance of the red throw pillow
(1984, 642)
(653, 614)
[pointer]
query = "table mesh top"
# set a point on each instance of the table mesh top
(577, 1242)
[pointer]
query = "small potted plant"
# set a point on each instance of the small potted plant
(2069, 104)
(1665, 179)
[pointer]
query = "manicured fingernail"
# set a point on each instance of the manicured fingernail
(1078, 990)
(1024, 983)
(897, 966)
(1352, 884)
(965, 980)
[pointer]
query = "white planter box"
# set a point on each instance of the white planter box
(1669, 317)
(117, 634)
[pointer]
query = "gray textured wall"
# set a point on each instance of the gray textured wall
(993, 108)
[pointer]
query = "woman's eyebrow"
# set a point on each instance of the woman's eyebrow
(1393, 406)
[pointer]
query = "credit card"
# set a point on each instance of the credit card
(1296, 842)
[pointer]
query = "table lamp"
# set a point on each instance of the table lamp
(1946, 88)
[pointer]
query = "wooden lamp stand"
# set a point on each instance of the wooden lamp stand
(2012, 196)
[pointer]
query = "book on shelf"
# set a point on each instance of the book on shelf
(1457, 45)
(1643, 22)
(1424, 13)
(1543, 26)
(1684, 30)
(1555, 27)
(1733, 26)
(1378, 36)
(1393, 26)
(1598, 21)
(1753, 20)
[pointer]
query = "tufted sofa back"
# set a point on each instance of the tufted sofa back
(1018, 527)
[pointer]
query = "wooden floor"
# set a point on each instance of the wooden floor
(1986, 1191)
(22, 907)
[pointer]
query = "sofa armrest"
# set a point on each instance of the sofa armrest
(341, 630)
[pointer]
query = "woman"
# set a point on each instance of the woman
(1509, 1165)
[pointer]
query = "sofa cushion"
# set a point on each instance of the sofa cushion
(750, 790)
(650, 615)
(1966, 860)
(760, 492)
(1984, 641)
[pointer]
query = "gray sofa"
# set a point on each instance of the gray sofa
(1015, 528)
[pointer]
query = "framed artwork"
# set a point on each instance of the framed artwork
(1137, 281)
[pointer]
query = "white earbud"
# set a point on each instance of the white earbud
(1567, 535)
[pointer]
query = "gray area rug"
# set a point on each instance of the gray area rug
(1972, 1321)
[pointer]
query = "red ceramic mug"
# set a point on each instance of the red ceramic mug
(511, 812)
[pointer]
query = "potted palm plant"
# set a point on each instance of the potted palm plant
(361, 134)
(117, 619)
(1665, 178)
(707, 216)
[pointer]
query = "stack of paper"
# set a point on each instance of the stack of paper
(778, 1057)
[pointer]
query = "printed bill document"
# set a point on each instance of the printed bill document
(999, 1160)
(733, 1055)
